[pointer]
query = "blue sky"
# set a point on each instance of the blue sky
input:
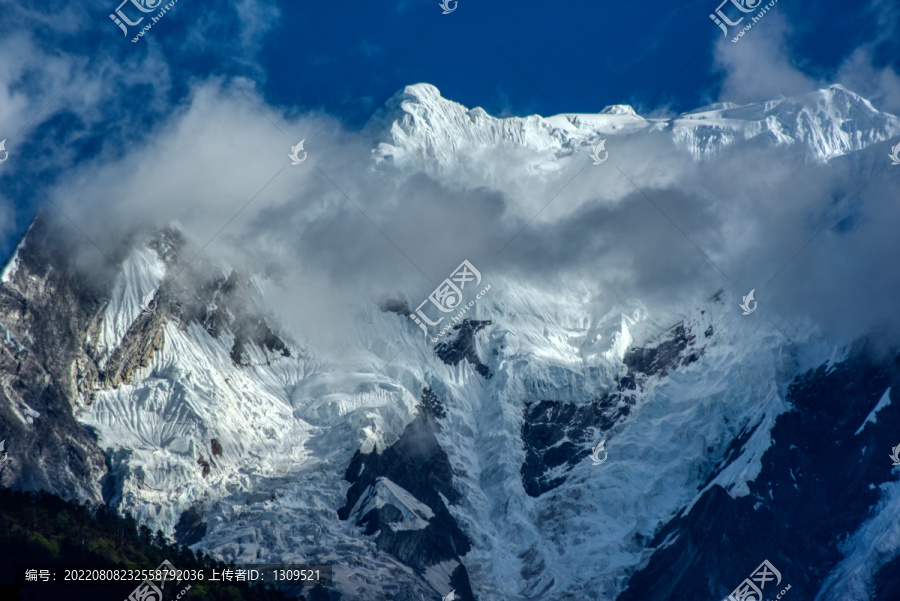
(526, 57)
(75, 91)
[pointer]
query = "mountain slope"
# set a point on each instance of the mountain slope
(48, 311)
(824, 479)
(418, 469)
(420, 129)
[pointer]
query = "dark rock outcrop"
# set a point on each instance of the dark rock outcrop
(665, 354)
(224, 304)
(463, 346)
(205, 467)
(818, 483)
(417, 464)
(48, 309)
(190, 527)
(557, 435)
(51, 316)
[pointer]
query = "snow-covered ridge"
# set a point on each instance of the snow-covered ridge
(12, 263)
(146, 271)
(414, 515)
(259, 448)
(418, 128)
(260, 505)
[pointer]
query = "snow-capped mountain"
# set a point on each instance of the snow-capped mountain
(171, 389)
(423, 130)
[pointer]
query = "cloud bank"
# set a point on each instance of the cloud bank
(339, 231)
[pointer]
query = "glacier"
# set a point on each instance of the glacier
(263, 435)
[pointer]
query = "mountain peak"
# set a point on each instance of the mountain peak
(619, 109)
(421, 91)
(421, 94)
(419, 127)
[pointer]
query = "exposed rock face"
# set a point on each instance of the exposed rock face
(48, 310)
(256, 332)
(401, 496)
(825, 474)
(145, 334)
(221, 306)
(558, 435)
(665, 354)
(52, 312)
(819, 483)
(144, 338)
(217, 430)
(463, 346)
(191, 528)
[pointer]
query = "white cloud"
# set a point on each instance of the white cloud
(758, 67)
(222, 147)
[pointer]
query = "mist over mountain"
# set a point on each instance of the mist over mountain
(256, 387)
